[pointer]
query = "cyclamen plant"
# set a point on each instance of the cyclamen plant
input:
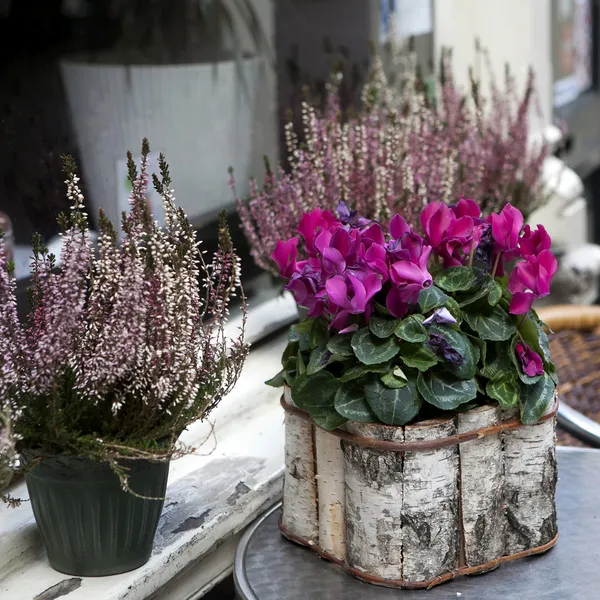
(402, 326)
(122, 350)
(401, 150)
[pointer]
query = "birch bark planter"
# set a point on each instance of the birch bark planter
(414, 506)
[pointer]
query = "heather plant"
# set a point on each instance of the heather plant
(405, 148)
(126, 347)
(402, 327)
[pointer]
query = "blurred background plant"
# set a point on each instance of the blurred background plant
(410, 143)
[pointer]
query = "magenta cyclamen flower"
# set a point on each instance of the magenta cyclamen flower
(531, 279)
(506, 228)
(311, 224)
(448, 234)
(531, 362)
(533, 242)
(350, 296)
(284, 256)
(349, 265)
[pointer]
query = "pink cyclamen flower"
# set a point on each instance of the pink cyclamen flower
(448, 234)
(408, 279)
(506, 228)
(530, 280)
(284, 256)
(312, 223)
(466, 208)
(531, 362)
(534, 241)
(350, 295)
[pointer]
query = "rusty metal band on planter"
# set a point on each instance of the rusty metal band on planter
(452, 440)
(415, 585)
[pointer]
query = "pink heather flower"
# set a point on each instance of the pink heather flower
(532, 242)
(506, 228)
(531, 362)
(531, 279)
(284, 256)
(381, 162)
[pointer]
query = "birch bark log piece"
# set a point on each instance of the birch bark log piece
(374, 503)
(481, 487)
(299, 515)
(331, 494)
(430, 504)
(530, 484)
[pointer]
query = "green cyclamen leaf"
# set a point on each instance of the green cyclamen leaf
(444, 391)
(371, 350)
(341, 344)
(495, 294)
(277, 381)
(492, 323)
(459, 341)
(392, 381)
(381, 327)
(418, 356)
(315, 394)
(477, 294)
(411, 329)
(393, 406)
(456, 279)
(506, 391)
(350, 402)
(431, 298)
(498, 363)
(318, 359)
(359, 370)
(536, 399)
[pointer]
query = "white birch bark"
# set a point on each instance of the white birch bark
(331, 494)
(530, 484)
(481, 487)
(430, 517)
(374, 503)
(299, 515)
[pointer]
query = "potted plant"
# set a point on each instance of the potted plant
(431, 368)
(120, 354)
(401, 150)
(186, 73)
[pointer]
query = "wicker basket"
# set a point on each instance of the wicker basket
(575, 349)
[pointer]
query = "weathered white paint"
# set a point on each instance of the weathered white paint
(331, 490)
(430, 504)
(481, 484)
(374, 504)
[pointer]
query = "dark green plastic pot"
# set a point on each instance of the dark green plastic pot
(89, 525)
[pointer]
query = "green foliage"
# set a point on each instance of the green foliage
(431, 298)
(393, 406)
(456, 279)
(394, 372)
(411, 329)
(371, 350)
(490, 323)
